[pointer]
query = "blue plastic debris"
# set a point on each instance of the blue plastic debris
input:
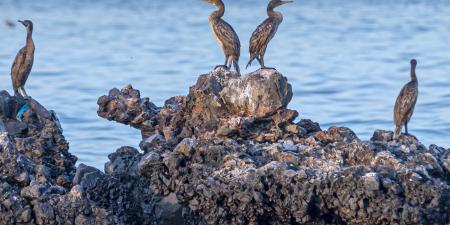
(22, 110)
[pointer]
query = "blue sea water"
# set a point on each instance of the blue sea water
(347, 60)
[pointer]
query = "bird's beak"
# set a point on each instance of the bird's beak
(20, 21)
(209, 2)
(286, 1)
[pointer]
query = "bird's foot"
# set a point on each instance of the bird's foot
(222, 66)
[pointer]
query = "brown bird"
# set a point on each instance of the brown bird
(23, 62)
(406, 101)
(265, 32)
(225, 35)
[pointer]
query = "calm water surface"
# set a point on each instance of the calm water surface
(346, 60)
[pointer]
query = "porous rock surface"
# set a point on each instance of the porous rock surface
(231, 152)
(227, 153)
(220, 104)
(39, 183)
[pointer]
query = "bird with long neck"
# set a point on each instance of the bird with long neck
(23, 62)
(265, 32)
(406, 102)
(225, 35)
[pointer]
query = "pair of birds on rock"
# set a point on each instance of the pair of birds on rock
(229, 40)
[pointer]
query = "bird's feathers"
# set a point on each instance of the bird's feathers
(227, 37)
(22, 65)
(406, 101)
(18, 63)
(261, 37)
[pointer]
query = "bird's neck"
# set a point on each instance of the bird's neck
(413, 73)
(29, 37)
(272, 13)
(220, 11)
(30, 44)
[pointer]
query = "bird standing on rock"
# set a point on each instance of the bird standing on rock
(225, 35)
(23, 62)
(406, 102)
(265, 32)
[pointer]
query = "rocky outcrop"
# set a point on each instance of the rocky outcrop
(127, 107)
(328, 178)
(227, 153)
(39, 183)
(231, 152)
(221, 103)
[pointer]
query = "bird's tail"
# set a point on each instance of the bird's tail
(16, 91)
(236, 65)
(250, 61)
(398, 131)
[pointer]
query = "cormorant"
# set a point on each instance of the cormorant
(406, 101)
(23, 62)
(265, 32)
(225, 35)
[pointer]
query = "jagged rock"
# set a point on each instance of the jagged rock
(259, 94)
(126, 106)
(234, 160)
(342, 182)
(219, 157)
(336, 134)
(153, 142)
(380, 135)
(39, 183)
(309, 126)
(169, 210)
(87, 176)
(221, 103)
(446, 161)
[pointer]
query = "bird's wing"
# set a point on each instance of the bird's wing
(406, 101)
(263, 33)
(227, 36)
(18, 61)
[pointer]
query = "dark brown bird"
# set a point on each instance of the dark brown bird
(265, 32)
(225, 35)
(23, 62)
(406, 101)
